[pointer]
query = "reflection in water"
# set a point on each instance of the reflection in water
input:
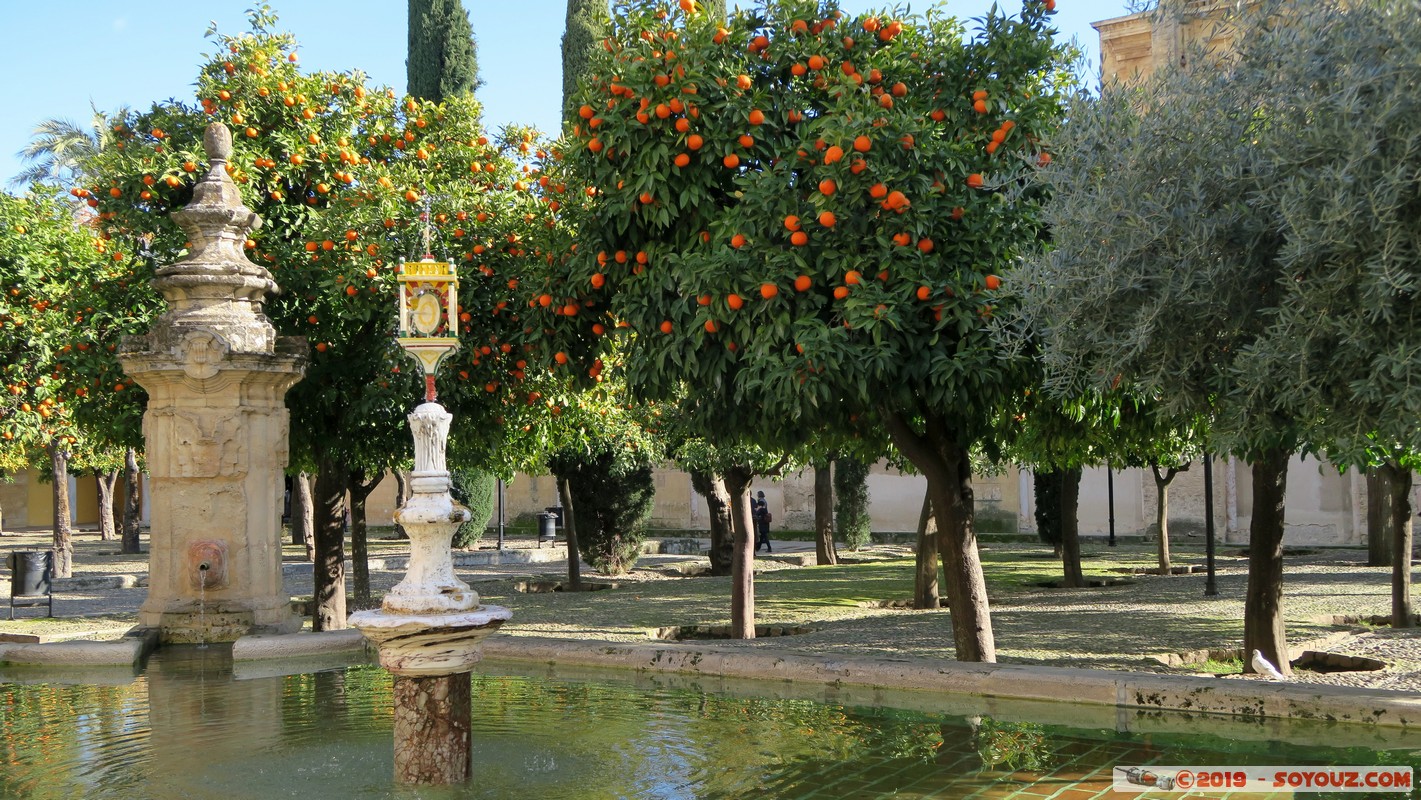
(188, 728)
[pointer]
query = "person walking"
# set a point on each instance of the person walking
(760, 516)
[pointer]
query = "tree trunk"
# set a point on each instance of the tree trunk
(824, 550)
(433, 729)
(1379, 516)
(63, 531)
(742, 572)
(329, 569)
(1162, 513)
(946, 463)
(360, 489)
(303, 519)
(722, 530)
(132, 502)
(1071, 575)
(1398, 479)
(402, 496)
(1263, 608)
(569, 525)
(925, 594)
(106, 480)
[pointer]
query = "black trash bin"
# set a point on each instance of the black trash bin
(31, 576)
(547, 528)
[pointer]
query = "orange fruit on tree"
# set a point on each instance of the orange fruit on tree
(757, 117)
(852, 277)
(743, 81)
(694, 141)
(704, 300)
(560, 357)
(980, 106)
(792, 222)
(683, 125)
(827, 219)
(925, 245)
(646, 198)
(768, 290)
(924, 292)
(682, 160)
(710, 326)
(827, 187)
(878, 191)
(975, 180)
(816, 62)
(735, 301)
(902, 239)
(840, 292)
(586, 112)
(731, 161)
(799, 238)
(862, 143)
(833, 154)
(737, 241)
(598, 280)
(746, 141)
(993, 282)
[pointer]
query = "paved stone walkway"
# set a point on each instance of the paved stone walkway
(1120, 627)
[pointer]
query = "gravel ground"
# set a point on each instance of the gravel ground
(1126, 627)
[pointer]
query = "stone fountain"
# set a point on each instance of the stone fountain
(216, 426)
(429, 628)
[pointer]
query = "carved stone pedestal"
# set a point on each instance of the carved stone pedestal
(216, 427)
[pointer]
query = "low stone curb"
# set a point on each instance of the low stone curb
(1253, 699)
(87, 582)
(129, 650)
(462, 558)
(259, 647)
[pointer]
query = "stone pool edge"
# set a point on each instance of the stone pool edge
(1135, 690)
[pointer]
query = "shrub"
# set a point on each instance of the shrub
(612, 496)
(851, 501)
(474, 489)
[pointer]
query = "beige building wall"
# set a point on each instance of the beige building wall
(1136, 45)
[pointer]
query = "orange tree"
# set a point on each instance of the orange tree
(799, 214)
(349, 180)
(47, 256)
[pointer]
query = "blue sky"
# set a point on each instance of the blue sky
(58, 57)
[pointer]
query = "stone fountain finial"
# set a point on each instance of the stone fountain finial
(216, 286)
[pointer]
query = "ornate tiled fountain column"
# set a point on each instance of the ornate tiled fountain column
(429, 628)
(430, 625)
(216, 426)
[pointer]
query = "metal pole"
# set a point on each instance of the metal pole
(1110, 495)
(1211, 589)
(500, 513)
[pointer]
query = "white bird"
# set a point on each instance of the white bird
(1263, 666)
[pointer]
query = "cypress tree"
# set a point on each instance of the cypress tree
(586, 26)
(443, 56)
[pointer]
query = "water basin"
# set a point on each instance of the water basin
(193, 725)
